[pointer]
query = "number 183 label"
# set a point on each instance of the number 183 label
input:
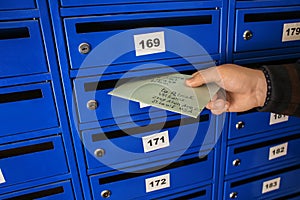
(271, 185)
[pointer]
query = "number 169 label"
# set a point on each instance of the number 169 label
(149, 43)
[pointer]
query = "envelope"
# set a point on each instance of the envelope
(167, 92)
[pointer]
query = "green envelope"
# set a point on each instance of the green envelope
(167, 92)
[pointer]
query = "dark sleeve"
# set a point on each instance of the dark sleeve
(285, 89)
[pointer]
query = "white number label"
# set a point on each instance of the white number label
(278, 151)
(157, 183)
(278, 118)
(291, 32)
(2, 179)
(149, 43)
(156, 141)
(271, 185)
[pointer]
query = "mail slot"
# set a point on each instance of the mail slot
(60, 190)
(94, 103)
(199, 193)
(253, 122)
(267, 28)
(270, 185)
(17, 4)
(152, 141)
(262, 153)
(22, 51)
(30, 160)
(26, 108)
(105, 40)
(137, 184)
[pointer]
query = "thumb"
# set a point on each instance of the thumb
(202, 77)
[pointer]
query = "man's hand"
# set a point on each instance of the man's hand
(242, 88)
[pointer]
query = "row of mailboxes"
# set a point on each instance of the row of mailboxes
(261, 160)
(116, 134)
(104, 46)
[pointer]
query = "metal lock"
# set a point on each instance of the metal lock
(92, 104)
(233, 195)
(236, 162)
(84, 48)
(105, 194)
(247, 35)
(99, 153)
(240, 125)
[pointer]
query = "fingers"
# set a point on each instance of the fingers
(219, 103)
(218, 107)
(202, 77)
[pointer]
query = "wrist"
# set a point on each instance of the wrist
(262, 88)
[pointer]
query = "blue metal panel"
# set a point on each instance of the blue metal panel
(193, 27)
(258, 21)
(55, 191)
(255, 154)
(22, 50)
(31, 160)
(192, 193)
(265, 3)
(132, 185)
(17, 4)
(99, 2)
(173, 6)
(27, 108)
(123, 146)
(49, 42)
(251, 187)
(255, 122)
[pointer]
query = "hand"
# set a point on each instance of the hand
(242, 88)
